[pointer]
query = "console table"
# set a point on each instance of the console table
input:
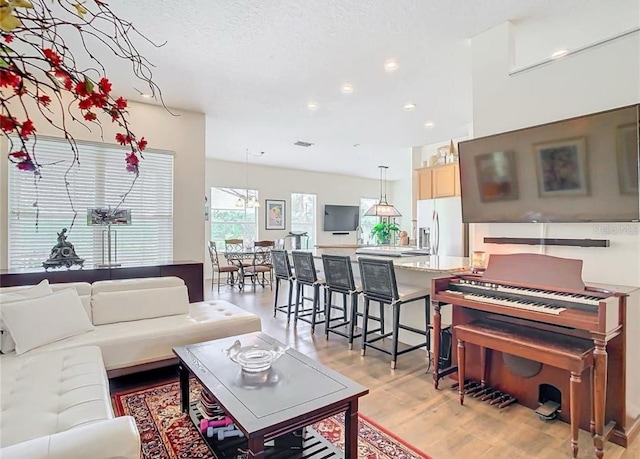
(189, 271)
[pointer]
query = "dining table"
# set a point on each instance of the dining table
(243, 259)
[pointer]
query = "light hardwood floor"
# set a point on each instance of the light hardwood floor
(405, 402)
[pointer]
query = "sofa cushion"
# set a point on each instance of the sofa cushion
(83, 289)
(121, 285)
(12, 295)
(127, 344)
(84, 292)
(33, 323)
(109, 307)
(52, 392)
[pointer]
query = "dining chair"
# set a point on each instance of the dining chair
(262, 263)
(216, 267)
(379, 285)
(237, 255)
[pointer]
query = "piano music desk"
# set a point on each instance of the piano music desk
(574, 356)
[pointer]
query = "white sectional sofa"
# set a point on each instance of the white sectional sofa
(54, 389)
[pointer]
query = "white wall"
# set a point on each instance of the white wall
(279, 183)
(596, 79)
(183, 134)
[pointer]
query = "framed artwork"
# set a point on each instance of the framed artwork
(275, 215)
(561, 167)
(496, 173)
(627, 156)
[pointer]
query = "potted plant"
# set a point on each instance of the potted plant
(383, 231)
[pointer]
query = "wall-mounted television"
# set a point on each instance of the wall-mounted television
(341, 218)
(583, 169)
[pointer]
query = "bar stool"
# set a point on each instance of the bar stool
(379, 284)
(282, 272)
(339, 278)
(304, 267)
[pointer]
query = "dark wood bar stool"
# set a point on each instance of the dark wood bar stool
(306, 276)
(339, 280)
(574, 355)
(379, 285)
(282, 272)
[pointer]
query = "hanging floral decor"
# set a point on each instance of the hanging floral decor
(39, 70)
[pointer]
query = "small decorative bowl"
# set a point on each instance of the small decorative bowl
(254, 358)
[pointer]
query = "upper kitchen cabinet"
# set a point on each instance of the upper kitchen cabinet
(439, 181)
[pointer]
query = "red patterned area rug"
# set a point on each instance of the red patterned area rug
(167, 433)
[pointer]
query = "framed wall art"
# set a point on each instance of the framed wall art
(275, 214)
(561, 167)
(496, 174)
(627, 157)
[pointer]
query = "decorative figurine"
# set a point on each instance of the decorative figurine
(63, 254)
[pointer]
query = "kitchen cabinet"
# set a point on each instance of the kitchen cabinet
(439, 181)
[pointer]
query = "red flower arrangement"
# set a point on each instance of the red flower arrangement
(37, 64)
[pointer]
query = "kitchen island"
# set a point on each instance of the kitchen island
(411, 269)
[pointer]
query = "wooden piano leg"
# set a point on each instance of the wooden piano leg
(600, 394)
(461, 363)
(436, 342)
(592, 422)
(574, 405)
(484, 364)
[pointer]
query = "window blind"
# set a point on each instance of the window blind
(99, 181)
(228, 220)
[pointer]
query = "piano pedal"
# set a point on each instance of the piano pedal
(548, 411)
(456, 384)
(475, 387)
(508, 402)
(482, 392)
(498, 399)
(489, 395)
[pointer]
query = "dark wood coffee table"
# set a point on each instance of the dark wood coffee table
(294, 393)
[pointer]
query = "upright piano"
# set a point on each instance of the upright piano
(548, 293)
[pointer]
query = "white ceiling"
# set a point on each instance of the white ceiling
(252, 67)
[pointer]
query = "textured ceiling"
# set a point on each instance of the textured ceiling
(252, 66)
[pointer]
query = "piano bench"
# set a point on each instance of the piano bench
(571, 354)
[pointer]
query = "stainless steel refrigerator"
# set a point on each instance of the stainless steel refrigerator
(440, 227)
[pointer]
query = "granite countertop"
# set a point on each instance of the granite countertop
(423, 263)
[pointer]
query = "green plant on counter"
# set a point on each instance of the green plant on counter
(383, 231)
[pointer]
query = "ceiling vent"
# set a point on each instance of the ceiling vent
(300, 143)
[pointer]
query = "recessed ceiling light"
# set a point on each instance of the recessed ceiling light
(347, 88)
(559, 53)
(312, 105)
(429, 124)
(145, 95)
(409, 106)
(391, 65)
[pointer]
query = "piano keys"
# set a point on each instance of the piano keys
(544, 292)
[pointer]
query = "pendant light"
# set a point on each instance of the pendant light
(249, 202)
(383, 208)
